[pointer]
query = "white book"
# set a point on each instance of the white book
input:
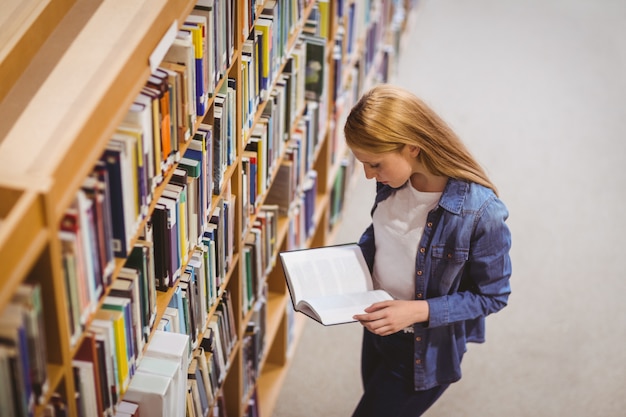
(330, 284)
(170, 368)
(172, 346)
(86, 387)
(153, 393)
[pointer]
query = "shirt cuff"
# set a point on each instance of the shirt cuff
(438, 312)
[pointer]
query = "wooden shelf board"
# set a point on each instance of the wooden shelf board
(69, 119)
(270, 383)
(22, 231)
(24, 27)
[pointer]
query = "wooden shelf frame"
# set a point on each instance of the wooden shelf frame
(70, 71)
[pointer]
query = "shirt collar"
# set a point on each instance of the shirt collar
(454, 195)
(451, 199)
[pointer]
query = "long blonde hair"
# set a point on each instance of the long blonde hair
(388, 117)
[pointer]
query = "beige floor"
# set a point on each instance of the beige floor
(537, 89)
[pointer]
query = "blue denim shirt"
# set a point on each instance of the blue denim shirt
(462, 270)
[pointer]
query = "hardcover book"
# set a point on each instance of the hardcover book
(330, 284)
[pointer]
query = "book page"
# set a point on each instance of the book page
(326, 271)
(337, 309)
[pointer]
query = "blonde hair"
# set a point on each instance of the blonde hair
(387, 118)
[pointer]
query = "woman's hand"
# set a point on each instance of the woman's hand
(388, 317)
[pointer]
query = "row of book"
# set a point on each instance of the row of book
(175, 242)
(182, 216)
(23, 357)
(259, 254)
(253, 347)
(159, 199)
(175, 372)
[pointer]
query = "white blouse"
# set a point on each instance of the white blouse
(398, 227)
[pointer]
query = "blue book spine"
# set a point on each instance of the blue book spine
(112, 158)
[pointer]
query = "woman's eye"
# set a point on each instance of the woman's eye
(374, 165)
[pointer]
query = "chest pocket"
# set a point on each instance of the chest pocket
(446, 269)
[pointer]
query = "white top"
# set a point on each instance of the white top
(398, 227)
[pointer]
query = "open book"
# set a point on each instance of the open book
(330, 284)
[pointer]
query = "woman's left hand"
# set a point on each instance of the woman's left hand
(388, 317)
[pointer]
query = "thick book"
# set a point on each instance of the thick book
(330, 284)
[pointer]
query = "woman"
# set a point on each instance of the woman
(438, 243)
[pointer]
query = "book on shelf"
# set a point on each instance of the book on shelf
(154, 394)
(264, 29)
(141, 262)
(182, 52)
(194, 374)
(125, 306)
(129, 409)
(282, 192)
(162, 237)
(95, 190)
(200, 149)
(193, 406)
(151, 98)
(173, 346)
(85, 383)
(113, 323)
(29, 297)
(9, 397)
(169, 368)
(139, 118)
(127, 286)
(198, 26)
(103, 333)
(92, 375)
(205, 9)
(205, 372)
(330, 284)
(191, 305)
(212, 345)
(316, 72)
(16, 358)
(168, 240)
(158, 81)
(77, 227)
(176, 190)
(119, 158)
(197, 267)
(176, 79)
(309, 189)
(194, 197)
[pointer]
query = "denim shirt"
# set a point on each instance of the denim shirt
(462, 270)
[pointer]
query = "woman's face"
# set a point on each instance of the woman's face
(391, 168)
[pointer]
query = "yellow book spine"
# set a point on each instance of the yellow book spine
(120, 352)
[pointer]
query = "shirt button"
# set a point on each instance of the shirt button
(429, 224)
(418, 339)
(419, 295)
(422, 250)
(419, 273)
(418, 361)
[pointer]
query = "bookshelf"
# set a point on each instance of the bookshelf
(73, 69)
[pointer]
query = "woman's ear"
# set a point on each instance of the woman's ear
(413, 150)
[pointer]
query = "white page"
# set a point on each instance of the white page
(338, 309)
(326, 271)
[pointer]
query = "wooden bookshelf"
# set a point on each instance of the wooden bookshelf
(70, 70)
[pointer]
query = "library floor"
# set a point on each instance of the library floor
(537, 89)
